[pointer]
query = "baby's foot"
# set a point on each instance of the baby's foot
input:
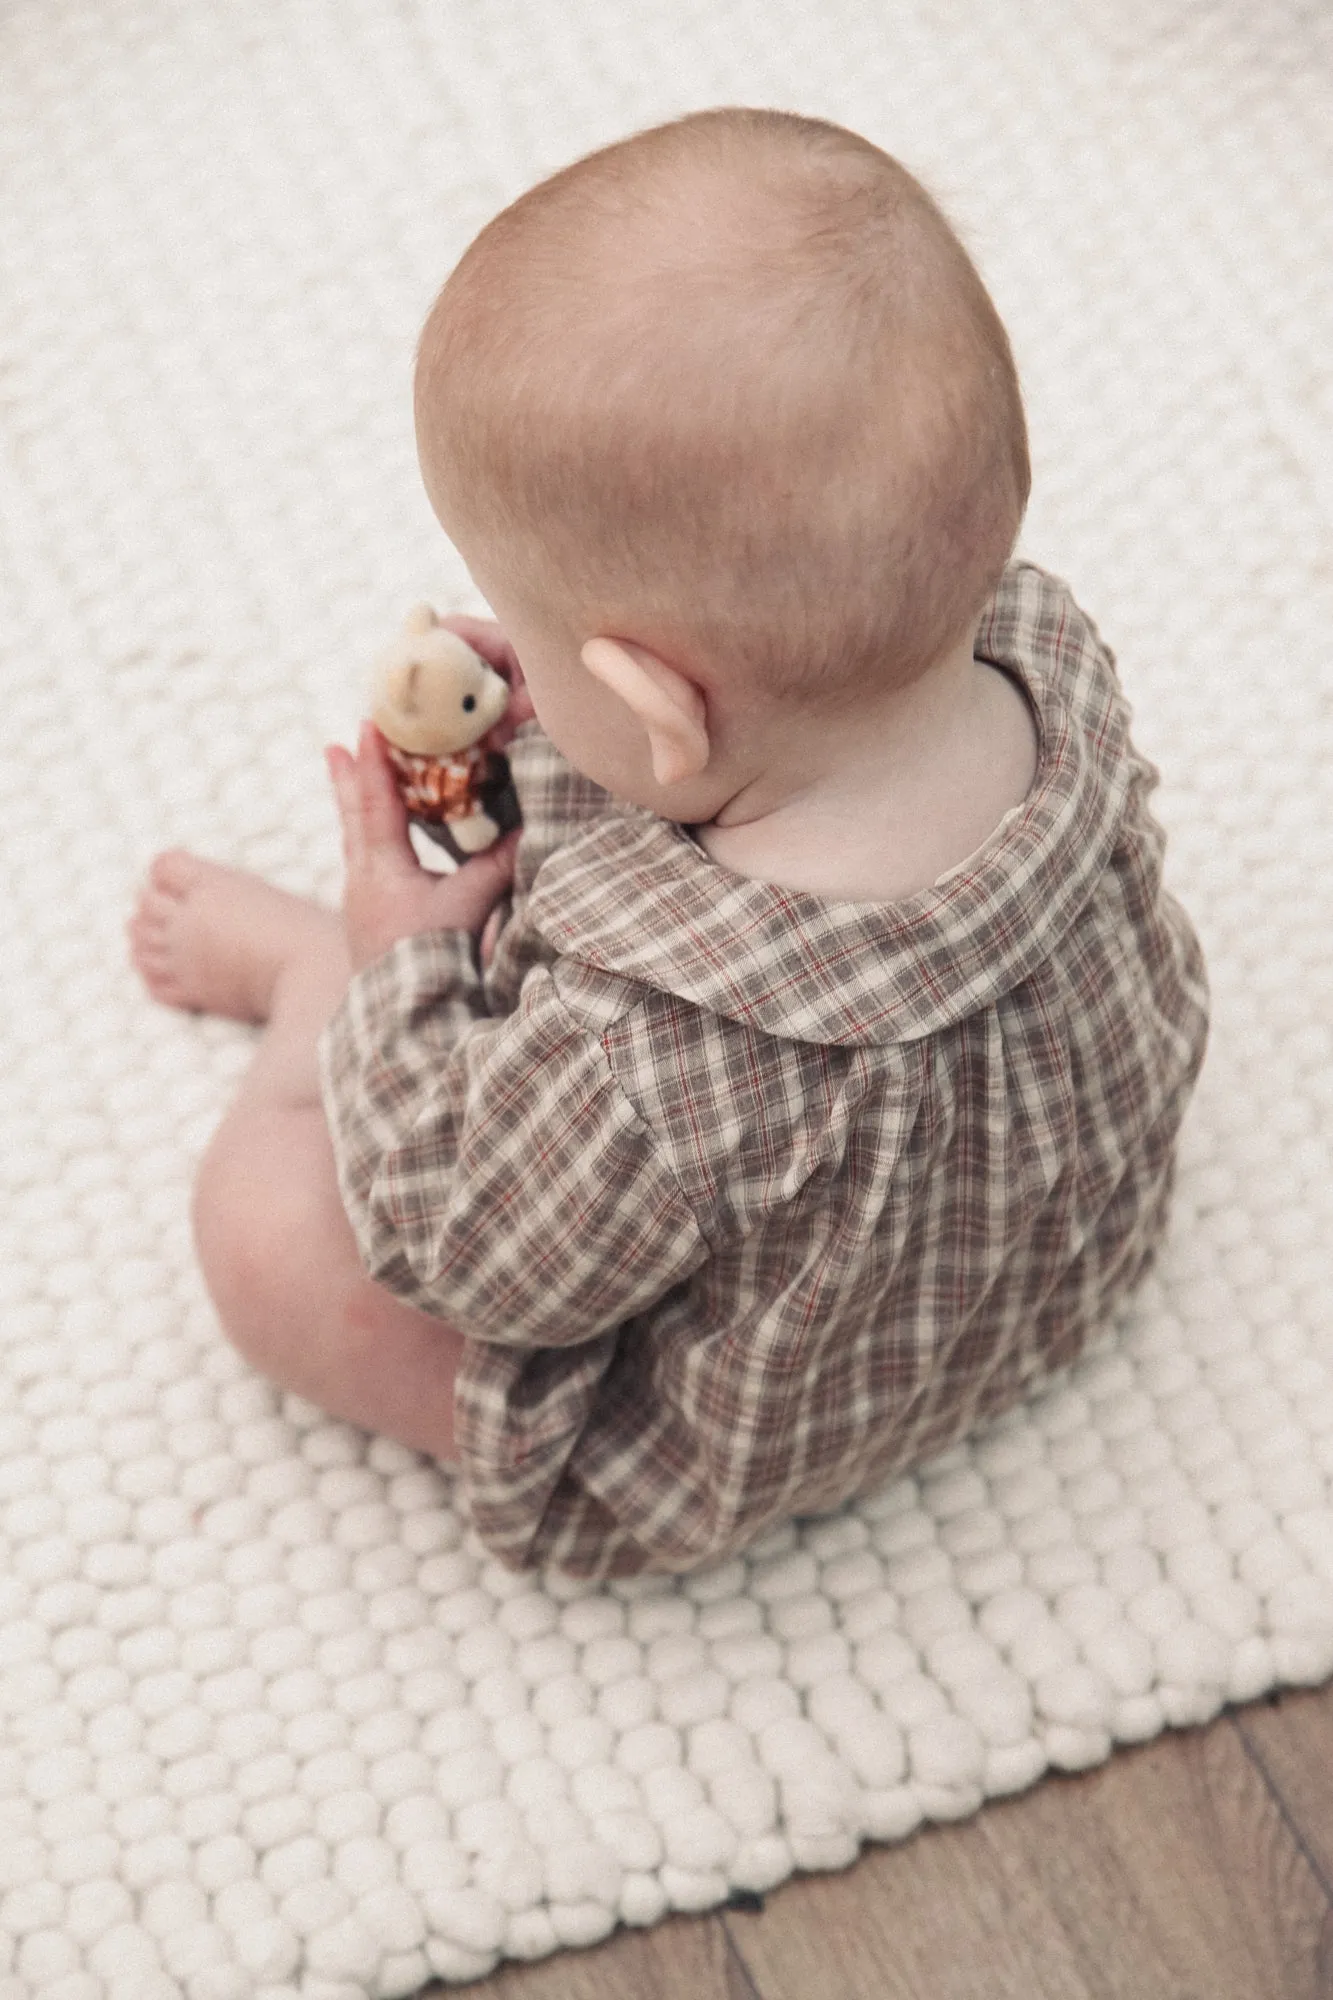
(214, 939)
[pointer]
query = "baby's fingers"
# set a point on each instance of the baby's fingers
(374, 818)
(383, 815)
(347, 797)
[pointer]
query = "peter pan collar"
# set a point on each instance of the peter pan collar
(634, 895)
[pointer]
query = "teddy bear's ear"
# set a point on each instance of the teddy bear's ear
(421, 618)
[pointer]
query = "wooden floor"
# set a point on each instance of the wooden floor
(1197, 1867)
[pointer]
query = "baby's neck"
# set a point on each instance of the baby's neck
(884, 803)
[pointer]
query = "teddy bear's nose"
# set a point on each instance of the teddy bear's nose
(469, 703)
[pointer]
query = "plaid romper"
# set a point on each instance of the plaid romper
(746, 1200)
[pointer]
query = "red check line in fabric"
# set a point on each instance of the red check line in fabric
(744, 1199)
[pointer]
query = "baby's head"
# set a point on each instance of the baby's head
(730, 390)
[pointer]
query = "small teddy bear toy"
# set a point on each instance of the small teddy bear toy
(434, 700)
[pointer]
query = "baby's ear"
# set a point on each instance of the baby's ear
(668, 704)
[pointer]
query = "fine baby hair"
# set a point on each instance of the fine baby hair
(733, 384)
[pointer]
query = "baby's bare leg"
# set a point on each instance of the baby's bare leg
(273, 1240)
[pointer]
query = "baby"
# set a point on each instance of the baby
(819, 1086)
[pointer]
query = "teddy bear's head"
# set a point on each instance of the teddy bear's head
(432, 695)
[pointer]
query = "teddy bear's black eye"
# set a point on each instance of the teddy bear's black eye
(469, 703)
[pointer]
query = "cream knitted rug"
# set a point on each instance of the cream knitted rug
(270, 1724)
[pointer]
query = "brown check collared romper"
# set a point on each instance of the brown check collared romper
(744, 1199)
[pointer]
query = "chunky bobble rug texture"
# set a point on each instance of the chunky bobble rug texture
(271, 1724)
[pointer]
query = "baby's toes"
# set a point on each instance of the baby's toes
(148, 931)
(153, 958)
(155, 914)
(174, 872)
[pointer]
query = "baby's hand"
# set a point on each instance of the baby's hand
(387, 894)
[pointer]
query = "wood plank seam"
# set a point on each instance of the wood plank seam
(1273, 1787)
(740, 1964)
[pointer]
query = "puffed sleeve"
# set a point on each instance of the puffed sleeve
(493, 1171)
